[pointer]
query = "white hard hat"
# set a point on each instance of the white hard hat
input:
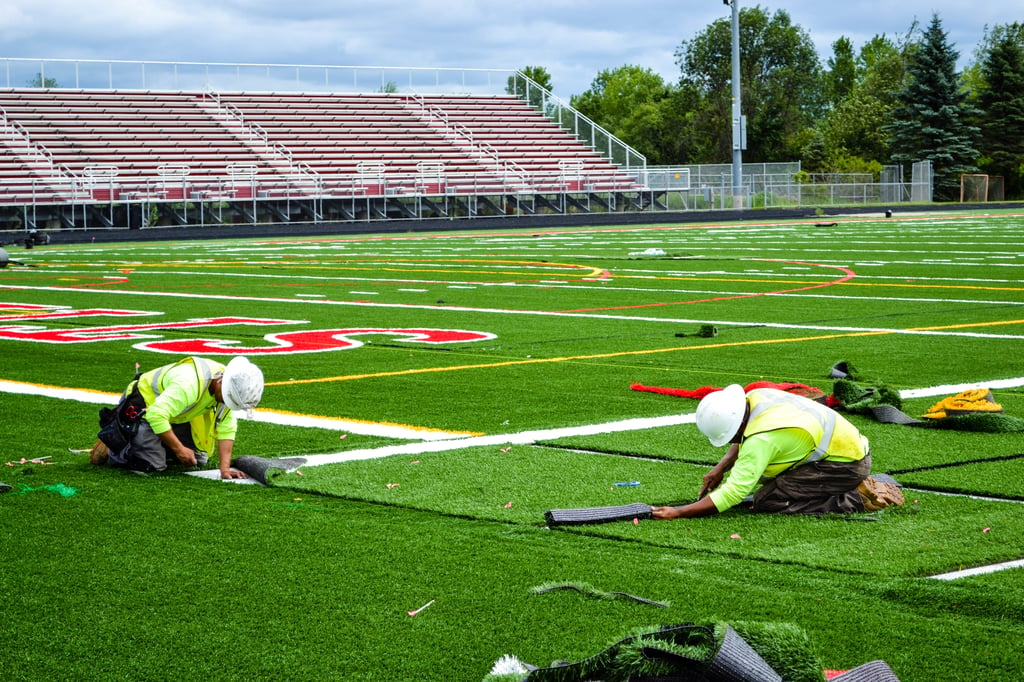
(720, 414)
(242, 385)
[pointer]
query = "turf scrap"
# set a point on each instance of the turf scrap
(971, 410)
(591, 591)
(690, 646)
(856, 398)
(875, 671)
(977, 422)
(786, 647)
(954, 414)
(972, 401)
(264, 469)
(691, 652)
(811, 392)
(737, 661)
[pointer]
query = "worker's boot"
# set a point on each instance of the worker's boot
(878, 494)
(99, 453)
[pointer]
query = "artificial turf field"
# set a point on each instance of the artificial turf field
(461, 384)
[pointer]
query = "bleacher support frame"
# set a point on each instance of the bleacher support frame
(267, 178)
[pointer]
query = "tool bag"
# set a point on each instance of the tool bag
(119, 424)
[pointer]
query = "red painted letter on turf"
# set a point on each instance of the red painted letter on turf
(312, 341)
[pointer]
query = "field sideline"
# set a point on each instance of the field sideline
(448, 388)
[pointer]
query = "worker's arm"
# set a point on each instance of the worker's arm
(702, 507)
(224, 449)
(186, 456)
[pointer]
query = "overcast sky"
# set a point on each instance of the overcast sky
(572, 39)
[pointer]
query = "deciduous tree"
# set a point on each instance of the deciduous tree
(636, 105)
(780, 79)
(519, 86)
(853, 131)
(842, 71)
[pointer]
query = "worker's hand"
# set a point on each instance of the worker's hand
(664, 513)
(232, 473)
(186, 457)
(712, 480)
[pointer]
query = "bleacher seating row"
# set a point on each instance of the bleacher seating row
(61, 145)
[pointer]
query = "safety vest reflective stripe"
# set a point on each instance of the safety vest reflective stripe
(205, 375)
(827, 419)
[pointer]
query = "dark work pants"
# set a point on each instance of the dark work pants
(147, 452)
(820, 487)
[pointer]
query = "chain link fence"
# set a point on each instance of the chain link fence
(785, 185)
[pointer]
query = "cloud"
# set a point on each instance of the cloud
(573, 39)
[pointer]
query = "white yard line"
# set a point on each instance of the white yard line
(76, 394)
(520, 438)
(952, 389)
(363, 428)
(979, 570)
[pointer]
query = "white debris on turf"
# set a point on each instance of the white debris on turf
(509, 665)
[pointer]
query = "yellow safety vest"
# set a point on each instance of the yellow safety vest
(834, 437)
(204, 424)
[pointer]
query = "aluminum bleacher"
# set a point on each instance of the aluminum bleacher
(421, 156)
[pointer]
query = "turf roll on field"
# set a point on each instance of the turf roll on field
(264, 469)
(585, 515)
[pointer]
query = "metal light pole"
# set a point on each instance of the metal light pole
(738, 123)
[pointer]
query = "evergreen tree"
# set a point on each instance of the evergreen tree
(1001, 100)
(930, 121)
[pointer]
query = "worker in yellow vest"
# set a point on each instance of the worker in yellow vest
(792, 454)
(179, 414)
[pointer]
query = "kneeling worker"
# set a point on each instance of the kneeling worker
(806, 457)
(183, 411)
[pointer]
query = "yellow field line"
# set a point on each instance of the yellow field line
(596, 356)
(394, 265)
(966, 326)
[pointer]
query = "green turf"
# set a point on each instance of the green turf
(173, 577)
(1002, 478)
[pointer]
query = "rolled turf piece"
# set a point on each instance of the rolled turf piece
(265, 470)
(737, 661)
(576, 517)
(889, 414)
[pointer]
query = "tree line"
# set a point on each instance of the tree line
(895, 100)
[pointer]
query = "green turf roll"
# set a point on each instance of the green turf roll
(264, 469)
